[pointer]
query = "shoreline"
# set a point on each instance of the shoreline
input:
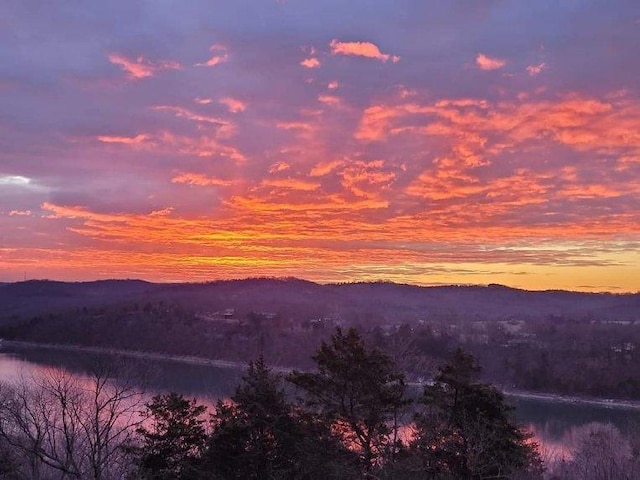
(616, 403)
(608, 403)
(186, 359)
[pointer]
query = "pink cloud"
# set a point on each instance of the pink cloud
(279, 167)
(361, 49)
(534, 70)
(330, 100)
(199, 146)
(233, 104)
(161, 213)
(200, 180)
(219, 55)
(190, 115)
(20, 213)
(137, 140)
(206, 145)
(484, 62)
(294, 126)
(140, 67)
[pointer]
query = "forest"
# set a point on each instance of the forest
(556, 354)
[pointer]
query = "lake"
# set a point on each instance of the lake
(553, 423)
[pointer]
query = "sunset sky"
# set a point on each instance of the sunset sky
(425, 142)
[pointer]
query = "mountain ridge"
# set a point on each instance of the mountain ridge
(288, 295)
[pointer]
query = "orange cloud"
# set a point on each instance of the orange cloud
(582, 191)
(324, 168)
(291, 183)
(582, 123)
(466, 137)
(485, 62)
(20, 213)
(443, 185)
(200, 180)
(375, 121)
(361, 49)
(331, 203)
(366, 179)
(140, 67)
(311, 62)
(289, 231)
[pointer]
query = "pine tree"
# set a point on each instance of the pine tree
(465, 429)
(254, 436)
(173, 438)
(359, 393)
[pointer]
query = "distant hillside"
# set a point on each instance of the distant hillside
(363, 302)
(38, 297)
(553, 341)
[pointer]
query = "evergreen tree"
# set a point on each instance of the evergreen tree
(465, 429)
(173, 437)
(255, 436)
(359, 393)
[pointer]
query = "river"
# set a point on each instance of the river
(553, 423)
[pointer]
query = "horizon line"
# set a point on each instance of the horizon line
(331, 283)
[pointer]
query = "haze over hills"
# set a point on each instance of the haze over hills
(376, 301)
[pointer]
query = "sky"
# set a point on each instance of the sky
(414, 141)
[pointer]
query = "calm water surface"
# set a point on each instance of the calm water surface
(553, 424)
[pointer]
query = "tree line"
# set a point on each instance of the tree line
(558, 354)
(351, 417)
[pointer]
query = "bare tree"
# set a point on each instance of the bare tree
(69, 426)
(602, 452)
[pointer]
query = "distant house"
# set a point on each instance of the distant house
(625, 347)
(226, 317)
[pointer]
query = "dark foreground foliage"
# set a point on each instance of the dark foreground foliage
(349, 419)
(464, 429)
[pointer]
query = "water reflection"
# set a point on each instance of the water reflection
(153, 376)
(552, 421)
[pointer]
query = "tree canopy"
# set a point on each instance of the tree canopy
(465, 429)
(359, 392)
(172, 438)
